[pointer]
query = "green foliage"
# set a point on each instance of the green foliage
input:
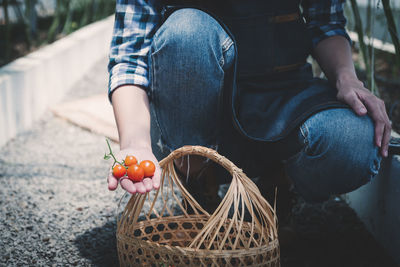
(68, 16)
(363, 47)
(367, 50)
(7, 31)
(392, 29)
(73, 14)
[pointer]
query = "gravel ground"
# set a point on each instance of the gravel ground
(55, 209)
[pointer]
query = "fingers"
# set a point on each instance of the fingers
(148, 184)
(132, 187)
(362, 101)
(388, 131)
(156, 177)
(128, 185)
(385, 141)
(355, 103)
(112, 182)
(377, 110)
(140, 188)
(379, 131)
(153, 182)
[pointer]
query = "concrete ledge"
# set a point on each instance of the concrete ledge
(376, 43)
(377, 205)
(29, 85)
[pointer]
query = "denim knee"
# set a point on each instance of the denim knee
(188, 58)
(193, 32)
(339, 154)
(351, 139)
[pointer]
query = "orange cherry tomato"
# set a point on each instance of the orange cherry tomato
(148, 167)
(135, 173)
(130, 160)
(119, 171)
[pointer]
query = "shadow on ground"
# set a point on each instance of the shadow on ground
(99, 245)
(331, 234)
(327, 234)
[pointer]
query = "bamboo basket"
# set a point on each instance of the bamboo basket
(166, 237)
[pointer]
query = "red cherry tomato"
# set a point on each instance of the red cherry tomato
(148, 167)
(135, 173)
(119, 171)
(130, 160)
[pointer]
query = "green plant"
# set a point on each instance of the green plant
(392, 29)
(111, 155)
(30, 20)
(363, 47)
(7, 53)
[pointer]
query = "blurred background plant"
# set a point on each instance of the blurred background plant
(378, 22)
(26, 25)
(376, 52)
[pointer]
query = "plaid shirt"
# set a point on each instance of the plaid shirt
(136, 21)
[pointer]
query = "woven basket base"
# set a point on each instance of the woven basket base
(165, 241)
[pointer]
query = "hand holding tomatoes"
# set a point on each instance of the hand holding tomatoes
(140, 179)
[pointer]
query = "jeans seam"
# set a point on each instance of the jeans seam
(222, 59)
(375, 167)
(154, 98)
(224, 45)
(304, 132)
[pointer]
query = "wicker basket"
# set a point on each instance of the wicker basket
(223, 238)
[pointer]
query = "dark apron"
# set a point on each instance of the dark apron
(271, 90)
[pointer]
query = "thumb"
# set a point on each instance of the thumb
(156, 177)
(112, 182)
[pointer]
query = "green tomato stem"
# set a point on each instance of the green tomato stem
(112, 155)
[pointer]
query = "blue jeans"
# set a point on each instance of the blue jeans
(332, 152)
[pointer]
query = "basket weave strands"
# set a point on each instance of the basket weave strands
(170, 236)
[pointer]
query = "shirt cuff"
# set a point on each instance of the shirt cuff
(325, 32)
(125, 74)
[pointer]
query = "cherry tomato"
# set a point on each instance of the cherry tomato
(130, 160)
(135, 173)
(119, 171)
(148, 167)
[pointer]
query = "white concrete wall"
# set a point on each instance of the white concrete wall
(378, 206)
(30, 84)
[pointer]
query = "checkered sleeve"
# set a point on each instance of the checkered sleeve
(135, 24)
(324, 18)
